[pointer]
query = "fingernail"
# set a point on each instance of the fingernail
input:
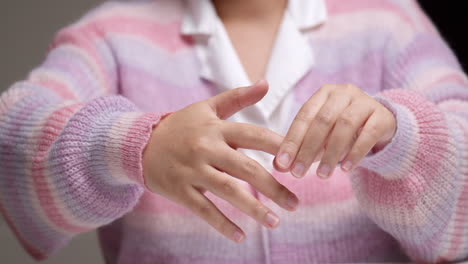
(298, 170)
(347, 165)
(323, 171)
(271, 220)
(238, 236)
(284, 159)
(292, 202)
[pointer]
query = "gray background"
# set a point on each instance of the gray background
(26, 29)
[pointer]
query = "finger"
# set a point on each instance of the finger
(343, 136)
(232, 101)
(205, 209)
(242, 167)
(316, 136)
(225, 187)
(298, 129)
(368, 137)
(247, 136)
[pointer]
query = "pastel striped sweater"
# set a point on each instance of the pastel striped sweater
(72, 135)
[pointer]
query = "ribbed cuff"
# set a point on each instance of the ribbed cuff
(109, 135)
(131, 134)
(417, 119)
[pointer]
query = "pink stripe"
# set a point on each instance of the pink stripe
(59, 88)
(154, 204)
(48, 135)
(166, 36)
(402, 193)
(454, 106)
(85, 36)
(85, 39)
(454, 78)
(128, 156)
(337, 7)
(312, 191)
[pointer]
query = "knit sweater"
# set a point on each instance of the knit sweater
(72, 136)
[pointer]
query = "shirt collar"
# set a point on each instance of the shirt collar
(200, 15)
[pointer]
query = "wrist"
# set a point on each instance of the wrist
(148, 154)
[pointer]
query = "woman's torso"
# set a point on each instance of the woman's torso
(159, 70)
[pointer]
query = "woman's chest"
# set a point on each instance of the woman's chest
(167, 81)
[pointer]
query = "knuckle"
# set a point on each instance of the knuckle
(276, 191)
(223, 226)
(389, 118)
(265, 133)
(357, 151)
(178, 194)
(258, 132)
(330, 150)
(373, 132)
(180, 199)
(184, 201)
(327, 87)
(325, 117)
(282, 192)
(204, 210)
(213, 123)
(350, 87)
(228, 187)
(260, 211)
(346, 121)
(251, 167)
(251, 132)
(201, 145)
(237, 97)
(290, 145)
(303, 117)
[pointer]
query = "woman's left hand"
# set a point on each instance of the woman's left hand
(338, 121)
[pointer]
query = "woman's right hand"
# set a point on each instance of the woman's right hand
(194, 150)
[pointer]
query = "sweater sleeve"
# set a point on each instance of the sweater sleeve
(70, 147)
(416, 187)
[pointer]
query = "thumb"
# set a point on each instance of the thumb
(228, 103)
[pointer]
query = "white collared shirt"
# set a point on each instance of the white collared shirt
(291, 58)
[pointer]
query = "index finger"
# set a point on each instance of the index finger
(230, 102)
(298, 129)
(247, 136)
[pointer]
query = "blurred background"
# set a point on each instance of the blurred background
(26, 28)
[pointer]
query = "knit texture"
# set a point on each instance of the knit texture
(72, 136)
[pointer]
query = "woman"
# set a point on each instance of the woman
(123, 129)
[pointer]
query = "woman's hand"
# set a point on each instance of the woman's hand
(338, 121)
(193, 150)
